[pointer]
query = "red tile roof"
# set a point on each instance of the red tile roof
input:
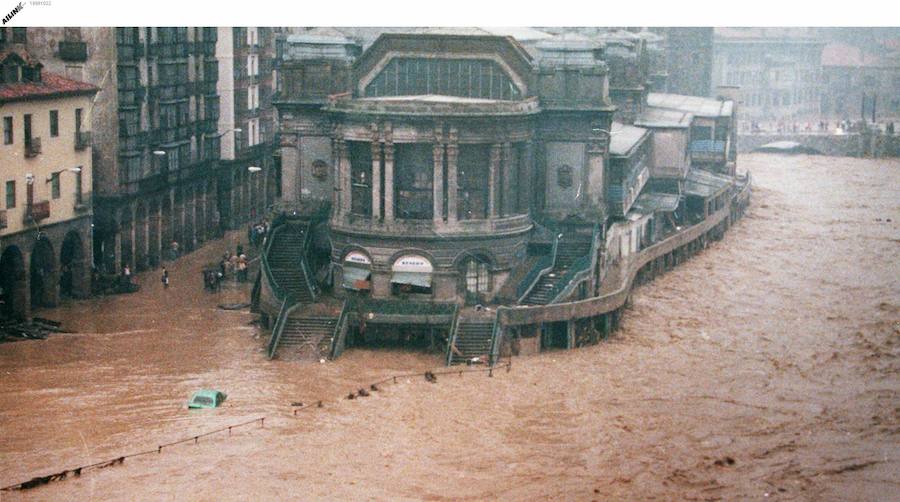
(51, 86)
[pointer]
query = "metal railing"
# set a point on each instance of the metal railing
(578, 272)
(338, 340)
(496, 336)
(542, 267)
(451, 338)
(287, 306)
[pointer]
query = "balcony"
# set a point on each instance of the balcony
(82, 139)
(32, 147)
(37, 211)
(73, 51)
(3, 221)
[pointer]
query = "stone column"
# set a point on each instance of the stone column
(526, 185)
(194, 217)
(388, 173)
(376, 176)
(507, 191)
(452, 171)
(493, 178)
(437, 181)
(132, 263)
(344, 169)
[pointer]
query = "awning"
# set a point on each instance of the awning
(420, 279)
(356, 278)
(650, 202)
(705, 184)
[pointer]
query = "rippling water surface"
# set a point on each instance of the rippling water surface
(764, 368)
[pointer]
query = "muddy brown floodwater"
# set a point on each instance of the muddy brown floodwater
(765, 368)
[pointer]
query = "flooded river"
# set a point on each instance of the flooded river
(765, 368)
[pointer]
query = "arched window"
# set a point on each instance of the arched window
(476, 272)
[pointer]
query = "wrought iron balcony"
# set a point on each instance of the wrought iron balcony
(82, 139)
(73, 51)
(37, 211)
(32, 147)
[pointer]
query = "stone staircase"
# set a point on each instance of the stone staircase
(307, 336)
(473, 339)
(569, 250)
(285, 257)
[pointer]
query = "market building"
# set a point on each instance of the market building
(45, 210)
(457, 191)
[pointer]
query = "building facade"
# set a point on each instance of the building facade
(689, 60)
(45, 210)
(437, 152)
(777, 69)
(858, 84)
(182, 116)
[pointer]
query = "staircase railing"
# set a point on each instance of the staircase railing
(338, 340)
(580, 270)
(541, 268)
(451, 338)
(280, 293)
(287, 305)
(496, 336)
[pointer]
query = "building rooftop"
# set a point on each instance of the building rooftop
(625, 138)
(50, 86)
(432, 104)
(649, 202)
(662, 118)
(704, 183)
(699, 107)
(767, 34)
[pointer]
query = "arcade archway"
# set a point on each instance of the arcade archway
(44, 275)
(13, 284)
(73, 267)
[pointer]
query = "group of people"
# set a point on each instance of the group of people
(235, 265)
(823, 127)
(256, 232)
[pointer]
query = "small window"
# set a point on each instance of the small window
(54, 123)
(564, 176)
(54, 185)
(10, 194)
(19, 35)
(7, 130)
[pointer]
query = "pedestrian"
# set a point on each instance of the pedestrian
(126, 274)
(165, 278)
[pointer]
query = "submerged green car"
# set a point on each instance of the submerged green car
(207, 399)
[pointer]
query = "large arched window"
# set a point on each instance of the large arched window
(466, 78)
(476, 277)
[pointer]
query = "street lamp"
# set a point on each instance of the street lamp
(160, 154)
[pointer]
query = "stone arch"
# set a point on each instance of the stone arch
(153, 243)
(177, 218)
(126, 243)
(141, 262)
(13, 284)
(73, 266)
(166, 234)
(44, 280)
(475, 274)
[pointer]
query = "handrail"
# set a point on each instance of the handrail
(576, 273)
(280, 293)
(340, 331)
(451, 339)
(496, 331)
(286, 307)
(614, 298)
(541, 268)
